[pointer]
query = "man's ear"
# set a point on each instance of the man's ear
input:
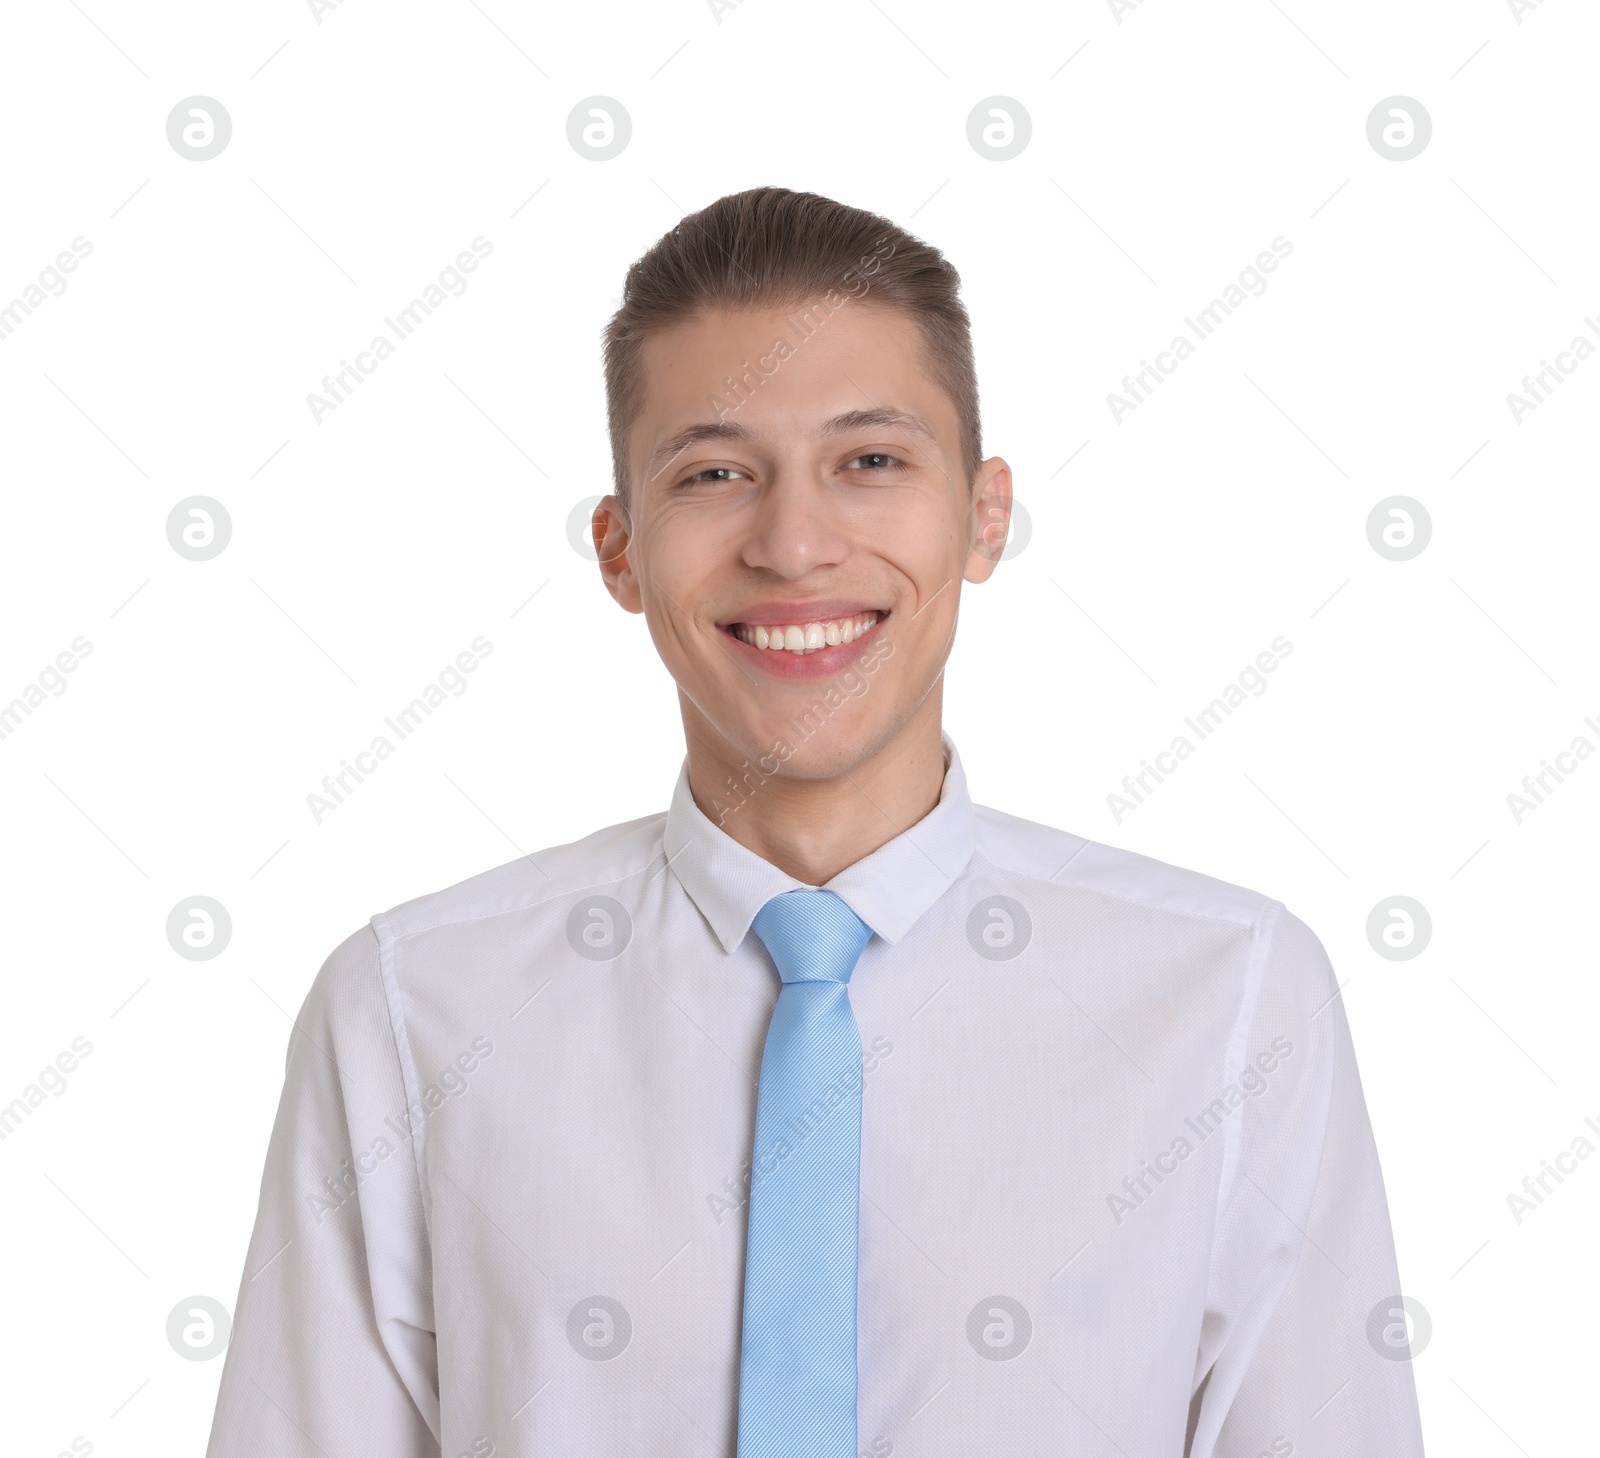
(612, 534)
(990, 520)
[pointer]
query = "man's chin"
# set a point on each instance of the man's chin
(796, 731)
(800, 748)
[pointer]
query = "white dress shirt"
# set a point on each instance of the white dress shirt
(1119, 1192)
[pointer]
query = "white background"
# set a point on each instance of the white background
(1169, 146)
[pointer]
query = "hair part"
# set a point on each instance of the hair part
(770, 247)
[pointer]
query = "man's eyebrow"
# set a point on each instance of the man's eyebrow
(880, 417)
(675, 445)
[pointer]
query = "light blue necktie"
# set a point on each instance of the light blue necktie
(797, 1371)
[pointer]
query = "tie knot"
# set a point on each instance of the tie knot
(812, 936)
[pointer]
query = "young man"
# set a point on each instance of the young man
(827, 1113)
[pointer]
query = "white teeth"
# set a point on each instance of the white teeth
(807, 637)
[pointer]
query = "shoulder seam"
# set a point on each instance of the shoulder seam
(397, 935)
(1238, 1042)
(394, 1001)
(1244, 920)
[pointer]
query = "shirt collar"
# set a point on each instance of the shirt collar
(889, 889)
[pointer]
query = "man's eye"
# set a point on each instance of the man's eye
(721, 473)
(880, 461)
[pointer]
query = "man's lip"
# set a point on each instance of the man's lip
(818, 664)
(781, 614)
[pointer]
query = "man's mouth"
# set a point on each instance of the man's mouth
(807, 635)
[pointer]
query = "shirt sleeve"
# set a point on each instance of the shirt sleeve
(1303, 1344)
(332, 1349)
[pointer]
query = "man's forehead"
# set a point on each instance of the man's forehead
(738, 362)
(722, 342)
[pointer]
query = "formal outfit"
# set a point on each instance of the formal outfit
(578, 1159)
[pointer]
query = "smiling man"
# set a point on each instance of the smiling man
(827, 1113)
(808, 529)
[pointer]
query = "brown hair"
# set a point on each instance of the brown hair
(772, 247)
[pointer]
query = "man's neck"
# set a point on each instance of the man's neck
(809, 826)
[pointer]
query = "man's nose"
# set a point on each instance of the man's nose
(799, 522)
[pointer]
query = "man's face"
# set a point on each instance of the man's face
(820, 505)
